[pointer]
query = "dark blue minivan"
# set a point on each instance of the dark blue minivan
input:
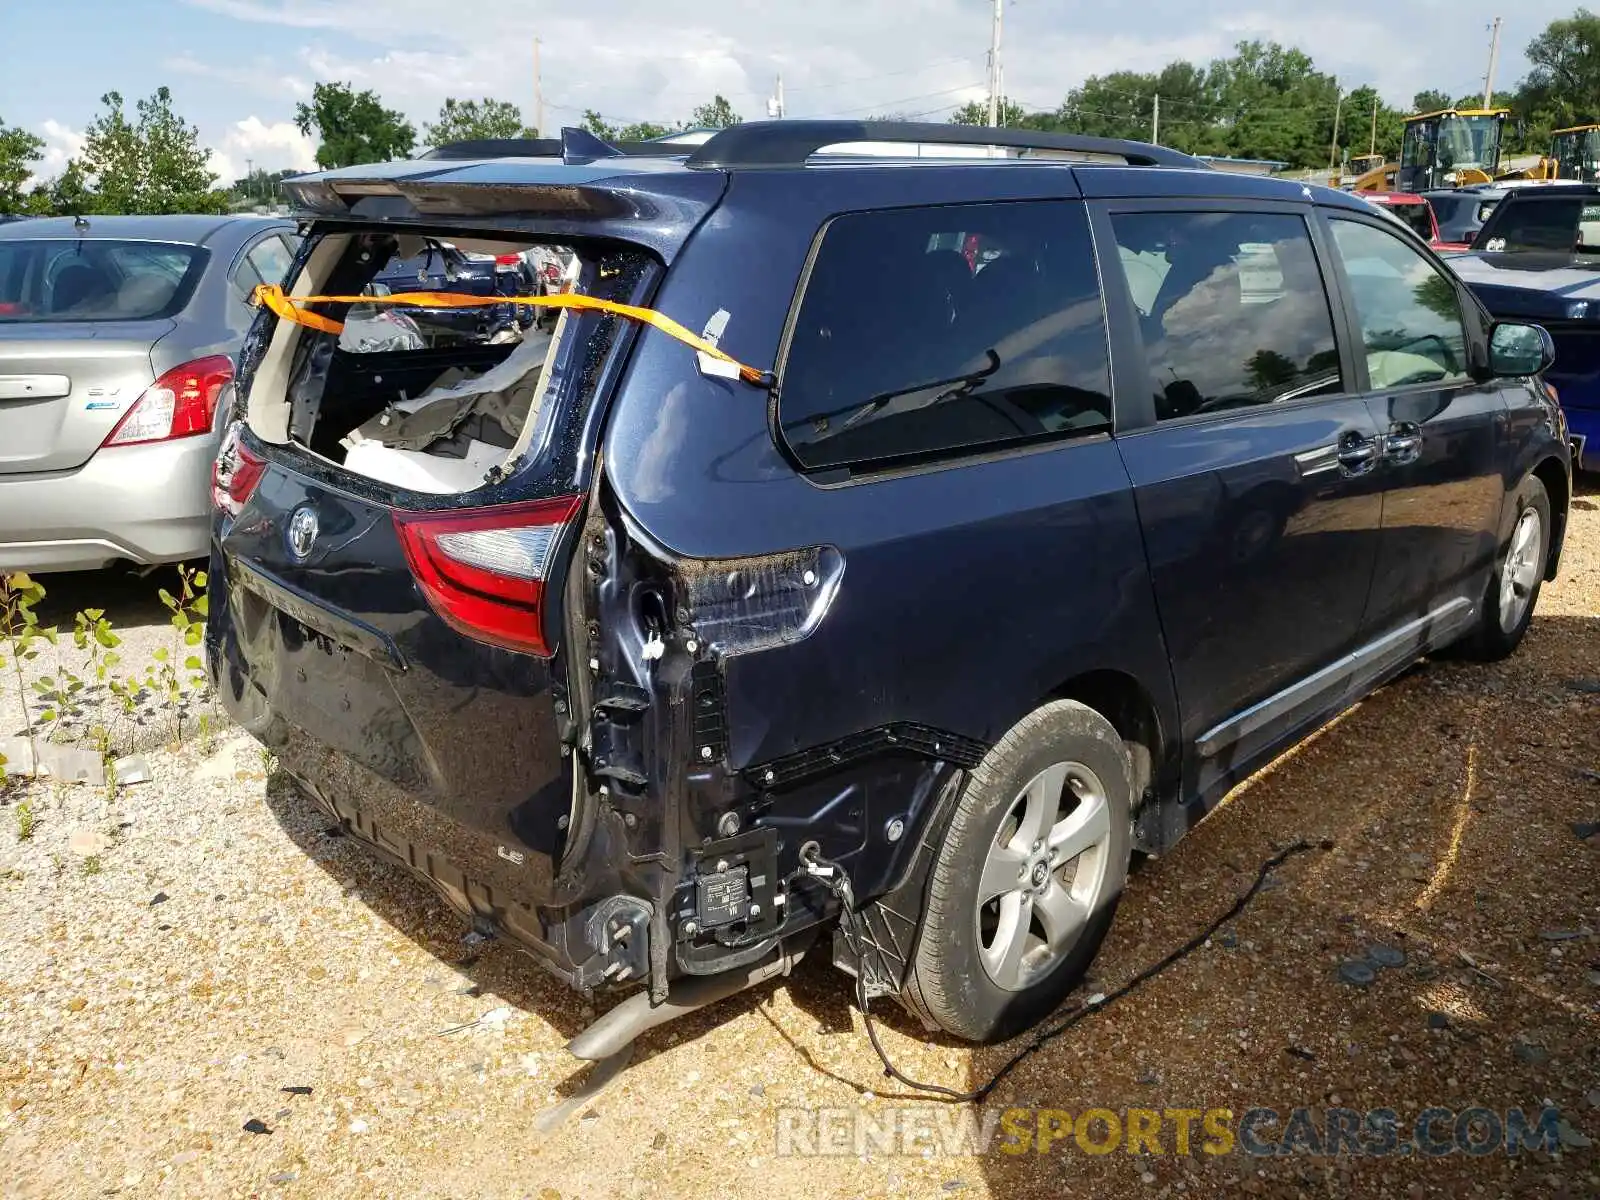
(1068, 487)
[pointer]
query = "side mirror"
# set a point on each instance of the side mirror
(1517, 350)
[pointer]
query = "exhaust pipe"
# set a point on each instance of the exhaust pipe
(619, 1028)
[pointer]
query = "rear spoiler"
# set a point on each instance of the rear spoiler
(546, 198)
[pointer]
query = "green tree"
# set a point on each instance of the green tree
(1119, 105)
(260, 187)
(1273, 104)
(66, 195)
(976, 112)
(1123, 105)
(153, 163)
(1563, 87)
(1431, 100)
(718, 114)
(641, 131)
(354, 127)
(474, 120)
(594, 123)
(1369, 126)
(19, 150)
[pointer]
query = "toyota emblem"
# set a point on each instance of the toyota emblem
(302, 532)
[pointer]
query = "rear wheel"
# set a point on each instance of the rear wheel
(1028, 877)
(1513, 589)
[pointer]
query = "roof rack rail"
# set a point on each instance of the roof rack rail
(573, 144)
(792, 143)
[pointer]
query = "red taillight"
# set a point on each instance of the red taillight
(182, 403)
(483, 570)
(235, 473)
(508, 260)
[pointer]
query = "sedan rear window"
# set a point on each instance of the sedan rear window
(1417, 217)
(70, 279)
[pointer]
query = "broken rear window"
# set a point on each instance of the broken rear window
(438, 399)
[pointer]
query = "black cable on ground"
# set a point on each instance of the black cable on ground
(832, 876)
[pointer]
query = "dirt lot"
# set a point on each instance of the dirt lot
(168, 987)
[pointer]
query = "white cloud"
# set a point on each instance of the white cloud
(252, 143)
(631, 59)
(61, 142)
(264, 77)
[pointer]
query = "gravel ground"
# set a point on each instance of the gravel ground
(177, 959)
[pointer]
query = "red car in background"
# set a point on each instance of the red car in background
(1414, 211)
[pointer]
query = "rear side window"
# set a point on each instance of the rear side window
(1542, 223)
(1232, 309)
(1417, 216)
(95, 280)
(272, 260)
(1447, 208)
(935, 332)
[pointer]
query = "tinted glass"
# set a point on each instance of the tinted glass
(1410, 313)
(272, 260)
(1543, 223)
(1231, 307)
(95, 280)
(934, 331)
(245, 279)
(1448, 208)
(1417, 216)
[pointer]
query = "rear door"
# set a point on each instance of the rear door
(402, 652)
(1254, 464)
(1443, 431)
(78, 319)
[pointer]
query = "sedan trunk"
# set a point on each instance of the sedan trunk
(65, 385)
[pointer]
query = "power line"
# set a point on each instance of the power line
(880, 106)
(943, 62)
(883, 104)
(807, 87)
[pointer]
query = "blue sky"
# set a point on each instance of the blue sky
(237, 67)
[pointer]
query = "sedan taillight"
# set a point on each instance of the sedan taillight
(182, 403)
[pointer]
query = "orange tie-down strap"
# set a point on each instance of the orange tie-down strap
(291, 308)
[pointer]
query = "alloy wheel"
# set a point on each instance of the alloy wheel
(1044, 875)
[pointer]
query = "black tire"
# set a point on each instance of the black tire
(948, 983)
(1492, 641)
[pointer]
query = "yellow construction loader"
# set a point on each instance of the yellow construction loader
(1450, 148)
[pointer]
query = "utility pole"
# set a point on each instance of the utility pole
(1372, 146)
(994, 64)
(538, 92)
(1494, 57)
(1155, 122)
(249, 179)
(1333, 150)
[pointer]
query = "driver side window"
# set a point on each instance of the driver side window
(1410, 313)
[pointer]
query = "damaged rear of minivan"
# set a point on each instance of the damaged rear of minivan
(397, 607)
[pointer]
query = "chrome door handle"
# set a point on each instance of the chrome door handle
(1403, 443)
(1358, 455)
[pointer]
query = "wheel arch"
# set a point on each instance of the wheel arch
(1553, 474)
(1132, 711)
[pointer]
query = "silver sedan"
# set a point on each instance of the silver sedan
(117, 337)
